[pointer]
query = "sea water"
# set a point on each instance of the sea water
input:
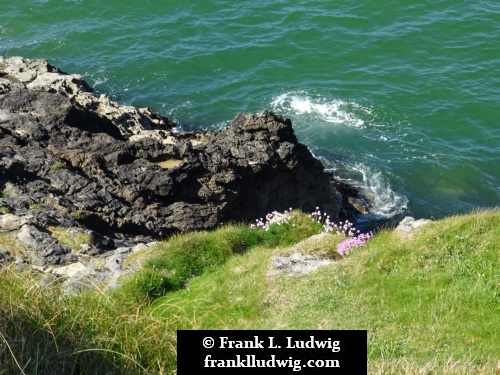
(401, 98)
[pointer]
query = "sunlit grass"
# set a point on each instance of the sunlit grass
(11, 245)
(430, 302)
(93, 333)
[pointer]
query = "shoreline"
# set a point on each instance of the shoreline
(122, 176)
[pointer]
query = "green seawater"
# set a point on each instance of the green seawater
(399, 97)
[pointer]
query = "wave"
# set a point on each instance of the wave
(385, 203)
(334, 111)
(313, 116)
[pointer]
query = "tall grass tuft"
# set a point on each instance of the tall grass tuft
(42, 332)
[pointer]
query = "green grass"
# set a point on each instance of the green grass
(77, 214)
(430, 302)
(183, 257)
(432, 298)
(10, 244)
(57, 165)
(95, 333)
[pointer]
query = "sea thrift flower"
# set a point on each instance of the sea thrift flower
(345, 228)
(275, 218)
(346, 246)
(324, 220)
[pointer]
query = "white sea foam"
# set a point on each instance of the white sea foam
(316, 111)
(385, 202)
(331, 111)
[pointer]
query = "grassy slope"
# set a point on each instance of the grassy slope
(430, 303)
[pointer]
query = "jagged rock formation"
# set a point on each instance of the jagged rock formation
(70, 158)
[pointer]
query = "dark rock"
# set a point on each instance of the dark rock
(41, 246)
(256, 166)
(353, 202)
(5, 257)
(122, 172)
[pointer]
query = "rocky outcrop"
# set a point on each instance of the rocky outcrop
(408, 225)
(297, 264)
(69, 158)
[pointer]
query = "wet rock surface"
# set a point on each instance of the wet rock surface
(72, 159)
